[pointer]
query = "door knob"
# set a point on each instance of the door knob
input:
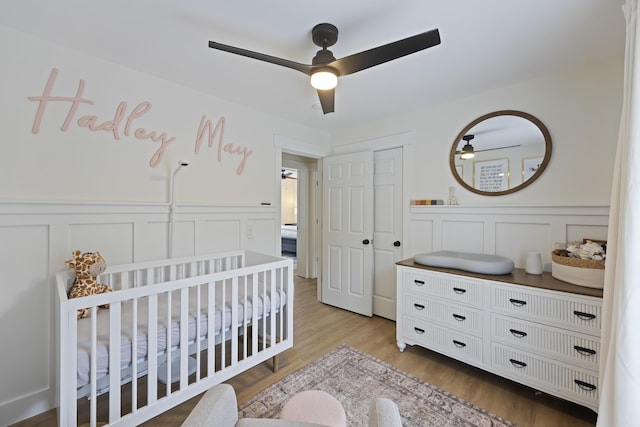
(396, 243)
(365, 242)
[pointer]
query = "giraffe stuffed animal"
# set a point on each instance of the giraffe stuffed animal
(87, 266)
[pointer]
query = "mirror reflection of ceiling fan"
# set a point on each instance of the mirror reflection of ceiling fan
(325, 69)
(468, 152)
(288, 174)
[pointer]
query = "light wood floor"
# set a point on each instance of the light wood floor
(320, 328)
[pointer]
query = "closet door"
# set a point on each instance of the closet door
(347, 255)
(387, 229)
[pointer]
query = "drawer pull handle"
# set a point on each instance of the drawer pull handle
(459, 344)
(459, 317)
(459, 291)
(517, 302)
(419, 282)
(418, 330)
(585, 386)
(517, 363)
(584, 351)
(419, 306)
(518, 334)
(584, 316)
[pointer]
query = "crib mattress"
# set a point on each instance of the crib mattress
(222, 323)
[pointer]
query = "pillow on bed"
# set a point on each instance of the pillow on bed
(472, 262)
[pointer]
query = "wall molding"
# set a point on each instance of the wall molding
(40, 236)
(510, 231)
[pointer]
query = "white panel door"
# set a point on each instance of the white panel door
(387, 232)
(347, 256)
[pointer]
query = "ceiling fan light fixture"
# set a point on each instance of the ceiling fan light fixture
(324, 79)
(467, 152)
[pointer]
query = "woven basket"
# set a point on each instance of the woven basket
(582, 272)
(577, 262)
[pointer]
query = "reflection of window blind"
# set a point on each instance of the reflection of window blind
(288, 203)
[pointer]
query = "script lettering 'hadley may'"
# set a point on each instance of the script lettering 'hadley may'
(125, 124)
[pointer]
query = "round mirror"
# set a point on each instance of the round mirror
(500, 153)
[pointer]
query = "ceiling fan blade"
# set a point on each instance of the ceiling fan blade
(388, 52)
(262, 57)
(499, 148)
(327, 100)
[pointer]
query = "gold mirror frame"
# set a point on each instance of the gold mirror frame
(545, 161)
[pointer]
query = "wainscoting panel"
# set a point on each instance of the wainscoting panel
(115, 240)
(38, 237)
(510, 231)
(25, 314)
(421, 233)
(151, 239)
(462, 235)
(220, 236)
(577, 232)
(184, 238)
(259, 233)
(516, 239)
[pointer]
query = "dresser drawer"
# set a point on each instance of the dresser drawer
(554, 377)
(574, 312)
(443, 340)
(462, 318)
(459, 289)
(573, 347)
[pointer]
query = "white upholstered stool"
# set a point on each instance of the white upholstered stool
(314, 406)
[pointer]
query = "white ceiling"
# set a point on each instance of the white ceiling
(485, 44)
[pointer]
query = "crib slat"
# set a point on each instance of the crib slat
(223, 332)
(276, 330)
(114, 360)
(152, 350)
(184, 337)
(198, 325)
(168, 346)
(245, 317)
(134, 355)
(93, 404)
(211, 327)
(234, 320)
(68, 376)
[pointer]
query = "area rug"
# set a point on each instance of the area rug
(356, 378)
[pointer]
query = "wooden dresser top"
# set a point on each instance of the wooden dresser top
(517, 276)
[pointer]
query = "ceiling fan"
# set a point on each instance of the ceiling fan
(287, 174)
(468, 152)
(325, 68)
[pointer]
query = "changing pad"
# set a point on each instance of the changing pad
(474, 263)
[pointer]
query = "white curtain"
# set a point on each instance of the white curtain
(620, 361)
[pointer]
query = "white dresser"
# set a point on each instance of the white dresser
(536, 330)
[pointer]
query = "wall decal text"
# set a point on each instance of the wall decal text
(125, 124)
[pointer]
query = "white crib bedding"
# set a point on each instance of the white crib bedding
(244, 309)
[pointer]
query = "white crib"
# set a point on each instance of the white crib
(238, 311)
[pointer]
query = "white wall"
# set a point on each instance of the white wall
(83, 189)
(80, 164)
(580, 107)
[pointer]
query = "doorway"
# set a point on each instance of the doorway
(299, 217)
(289, 214)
